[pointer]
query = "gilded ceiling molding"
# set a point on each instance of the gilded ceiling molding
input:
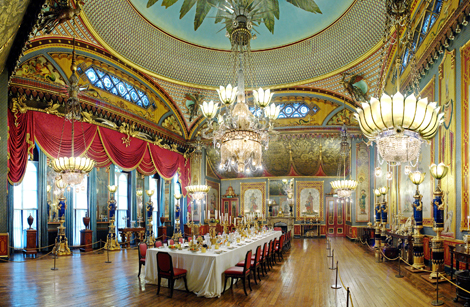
(99, 58)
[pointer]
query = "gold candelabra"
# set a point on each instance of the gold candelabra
(112, 240)
(149, 235)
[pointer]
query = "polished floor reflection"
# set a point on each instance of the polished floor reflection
(303, 279)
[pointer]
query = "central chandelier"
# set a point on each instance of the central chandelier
(344, 187)
(239, 133)
(398, 124)
(72, 169)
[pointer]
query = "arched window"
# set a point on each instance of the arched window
(80, 206)
(122, 200)
(25, 203)
(292, 110)
(117, 86)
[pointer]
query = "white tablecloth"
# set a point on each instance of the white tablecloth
(205, 271)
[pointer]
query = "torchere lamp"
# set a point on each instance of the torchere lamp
(177, 231)
(377, 237)
(438, 172)
(61, 247)
(384, 211)
(418, 254)
(149, 235)
(112, 240)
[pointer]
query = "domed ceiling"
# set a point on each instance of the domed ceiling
(294, 24)
(305, 46)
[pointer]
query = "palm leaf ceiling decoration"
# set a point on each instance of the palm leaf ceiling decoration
(259, 11)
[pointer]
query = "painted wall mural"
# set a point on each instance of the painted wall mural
(363, 188)
(253, 197)
(213, 196)
(39, 68)
(309, 199)
(447, 139)
(465, 127)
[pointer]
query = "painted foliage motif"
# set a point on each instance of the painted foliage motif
(447, 138)
(40, 68)
(253, 197)
(465, 127)
(213, 196)
(363, 178)
(309, 199)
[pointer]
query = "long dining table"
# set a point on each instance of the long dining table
(205, 270)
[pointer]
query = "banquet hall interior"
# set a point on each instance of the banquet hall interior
(235, 153)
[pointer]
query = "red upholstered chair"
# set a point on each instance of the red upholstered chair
(255, 264)
(268, 255)
(181, 240)
(166, 270)
(142, 250)
(262, 259)
(190, 239)
(273, 254)
(171, 242)
(158, 243)
(239, 273)
(279, 248)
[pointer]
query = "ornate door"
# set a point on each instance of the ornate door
(335, 216)
(230, 206)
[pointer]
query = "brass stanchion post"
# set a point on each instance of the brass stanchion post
(336, 286)
(437, 302)
(55, 257)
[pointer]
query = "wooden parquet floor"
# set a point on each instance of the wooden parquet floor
(302, 279)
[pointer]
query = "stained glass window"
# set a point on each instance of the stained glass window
(116, 86)
(421, 30)
(292, 110)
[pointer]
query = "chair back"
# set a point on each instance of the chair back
(247, 261)
(181, 240)
(164, 263)
(281, 242)
(277, 228)
(142, 248)
(270, 251)
(265, 249)
(190, 239)
(258, 254)
(158, 243)
(171, 242)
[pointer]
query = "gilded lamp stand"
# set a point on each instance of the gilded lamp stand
(377, 237)
(418, 253)
(438, 172)
(61, 247)
(177, 229)
(149, 235)
(112, 240)
(383, 208)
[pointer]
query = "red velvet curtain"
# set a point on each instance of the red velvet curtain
(20, 144)
(103, 145)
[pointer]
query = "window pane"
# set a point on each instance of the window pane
(17, 229)
(80, 195)
(78, 225)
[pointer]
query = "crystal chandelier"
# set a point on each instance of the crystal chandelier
(197, 191)
(343, 187)
(72, 169)
(398, 124)
(240, 134)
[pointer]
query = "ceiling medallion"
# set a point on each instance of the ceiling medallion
(344, 187)
(398, 124)
(240, 134)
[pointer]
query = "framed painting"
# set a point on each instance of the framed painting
(309, 199)
(213, 196)
(275, 188)
(363, 188)
(253, 197)
(166, 208)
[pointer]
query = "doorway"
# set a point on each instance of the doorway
(335, 216)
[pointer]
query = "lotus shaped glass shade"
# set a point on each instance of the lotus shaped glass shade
(149, 192)
(377, 192)
(344, 184)
(228, 94)
(197, 192)
(344, 193)
(209, 109)
(73, 169)
(417, 177)
(60, 184)
(399, 124)
(139, 192)
(383, 190)
(272, 111)
(262, 98)
(389, 175)
(178, 195)
(378, 172)
(439, 171)
(112, 188)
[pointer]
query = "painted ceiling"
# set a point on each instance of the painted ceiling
(294, 24)
(122, 30)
